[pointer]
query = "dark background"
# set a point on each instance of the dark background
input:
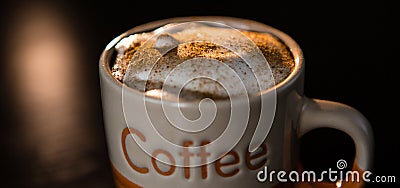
(52, 134)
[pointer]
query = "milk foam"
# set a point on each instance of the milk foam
(200, 61)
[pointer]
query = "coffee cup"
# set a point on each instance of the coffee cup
(160, 140)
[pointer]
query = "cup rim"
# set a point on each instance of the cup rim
(105, 71)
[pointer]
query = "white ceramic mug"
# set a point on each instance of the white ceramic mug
(134, 150)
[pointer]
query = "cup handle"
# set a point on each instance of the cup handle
(321, 113)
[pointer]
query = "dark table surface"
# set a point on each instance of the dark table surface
(52, 131)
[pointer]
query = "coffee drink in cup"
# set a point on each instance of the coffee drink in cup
(234, 110)
(138, 52)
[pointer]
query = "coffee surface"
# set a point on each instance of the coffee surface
(201, 61)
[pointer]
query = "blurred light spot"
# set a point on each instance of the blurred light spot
(339, 183)
(44, 65)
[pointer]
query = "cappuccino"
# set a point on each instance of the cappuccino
(207, 143)
(211, 53)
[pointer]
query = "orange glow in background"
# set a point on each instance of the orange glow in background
(55, 123)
